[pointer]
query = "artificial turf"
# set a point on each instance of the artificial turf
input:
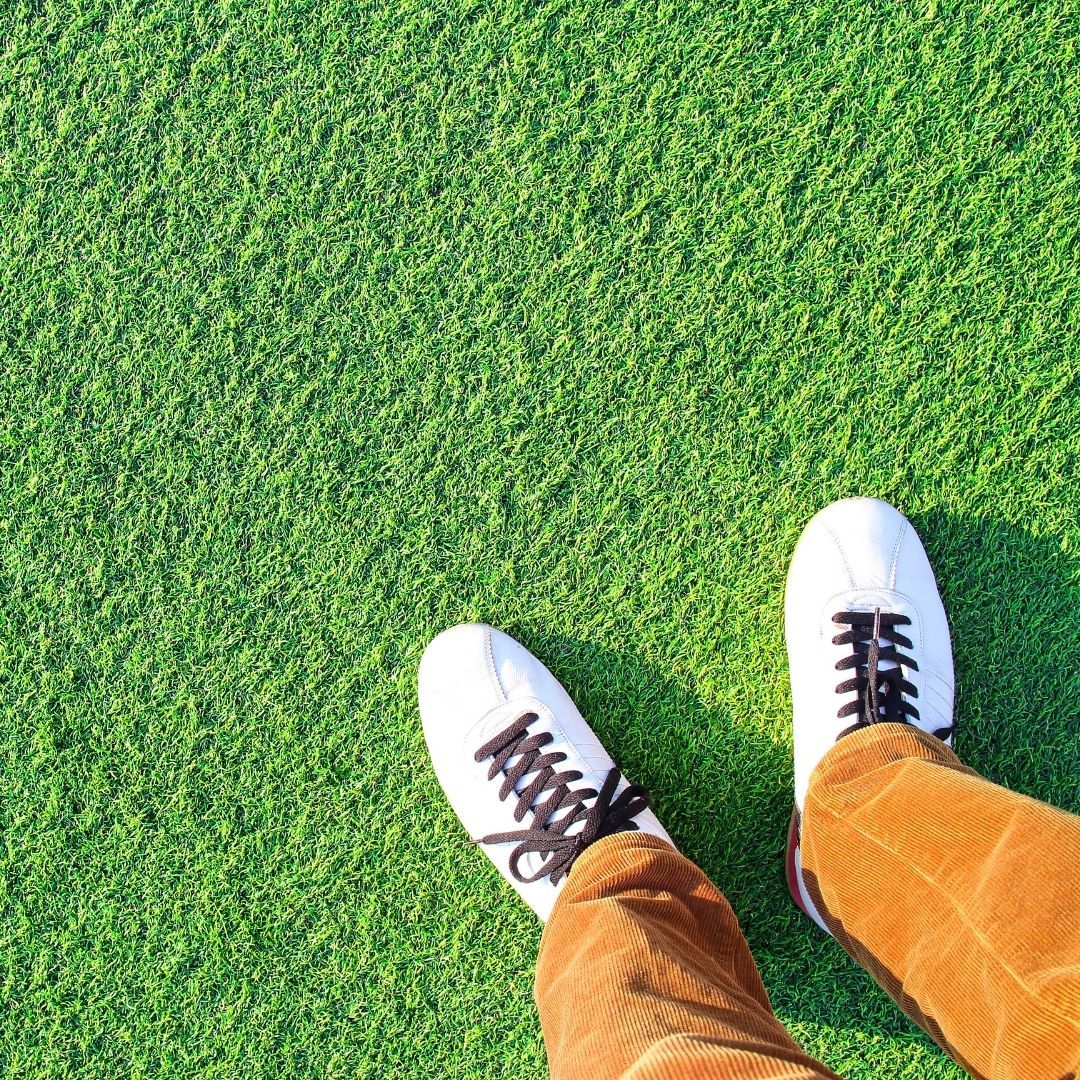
(328, 325)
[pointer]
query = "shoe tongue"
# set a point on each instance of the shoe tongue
(888, 697)
(885, 665)
(868, 603)
(888, 694)
(532, 862)
(558, 815)
(580, 784)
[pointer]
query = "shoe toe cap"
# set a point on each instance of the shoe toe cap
(856, 544)
(470, 669)
(457, 679)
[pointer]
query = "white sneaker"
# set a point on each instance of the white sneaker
(867, 640)
(508, 744)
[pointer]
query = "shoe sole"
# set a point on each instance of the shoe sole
(790, 871)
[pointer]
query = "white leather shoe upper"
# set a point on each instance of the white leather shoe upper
(474, 682)
(858, 555)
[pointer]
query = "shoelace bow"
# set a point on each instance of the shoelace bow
(882, 695)
(545, 836)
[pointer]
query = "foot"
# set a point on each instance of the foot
(867, 638)
(524, 772)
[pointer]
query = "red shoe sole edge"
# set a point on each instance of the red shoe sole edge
(789, 864)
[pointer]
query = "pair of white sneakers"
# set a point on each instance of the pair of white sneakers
(868, 642)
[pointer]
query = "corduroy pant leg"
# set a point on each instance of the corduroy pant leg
(960, 897)
(644, 973)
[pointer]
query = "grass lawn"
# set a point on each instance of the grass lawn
(327, 325)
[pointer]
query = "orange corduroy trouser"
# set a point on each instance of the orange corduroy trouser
(960, 897)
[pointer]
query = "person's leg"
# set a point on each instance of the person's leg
(961, 898)
(643, 971)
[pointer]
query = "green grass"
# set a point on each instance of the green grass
(327, 325)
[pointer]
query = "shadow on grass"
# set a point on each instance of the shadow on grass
(1012, 600)
(723, 790)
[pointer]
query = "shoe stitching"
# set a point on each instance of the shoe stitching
(843, 554)
(930, 684)
(896, 554)
(489, 652)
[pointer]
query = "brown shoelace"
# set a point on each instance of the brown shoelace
(882, 694)
(545, 836)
